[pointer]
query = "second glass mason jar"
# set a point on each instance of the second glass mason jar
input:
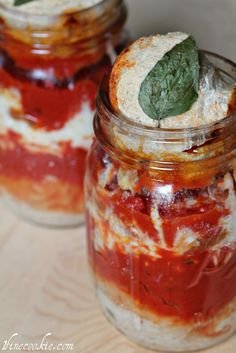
(161, 222)
(50, 68)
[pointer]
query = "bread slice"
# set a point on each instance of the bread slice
(130, 70)
(133, 65)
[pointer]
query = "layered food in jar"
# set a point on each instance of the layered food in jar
(52, 57)
(161, 195)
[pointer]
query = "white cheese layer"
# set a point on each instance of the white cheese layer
(167, 335)
(228, 223)
(43, 14)
(43, 217)
(78, 130)
(132, 239)
(50, 7)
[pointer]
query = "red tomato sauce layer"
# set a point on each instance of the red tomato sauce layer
(18, 161)
(50, 97)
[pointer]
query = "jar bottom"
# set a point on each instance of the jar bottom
(157, 337)
(47, 218)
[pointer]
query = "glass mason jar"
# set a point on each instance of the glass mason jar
(161, 224)
(50, 68)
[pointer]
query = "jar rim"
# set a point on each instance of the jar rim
(22, 14)
(121, 121)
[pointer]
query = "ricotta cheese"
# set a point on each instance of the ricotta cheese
(45, 217)
(228, 223)
(50, 7)
(130, 238)
(166, 334)
(127, 179)
(43, 14)
(78, 130)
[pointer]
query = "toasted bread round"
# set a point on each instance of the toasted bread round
(133, 65)
(131, 68)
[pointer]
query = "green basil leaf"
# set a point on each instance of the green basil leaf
(21, 2)
(171, 87)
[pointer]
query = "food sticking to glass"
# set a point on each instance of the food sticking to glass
(161, 195)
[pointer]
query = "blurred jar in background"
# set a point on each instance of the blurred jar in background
(50, 69)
